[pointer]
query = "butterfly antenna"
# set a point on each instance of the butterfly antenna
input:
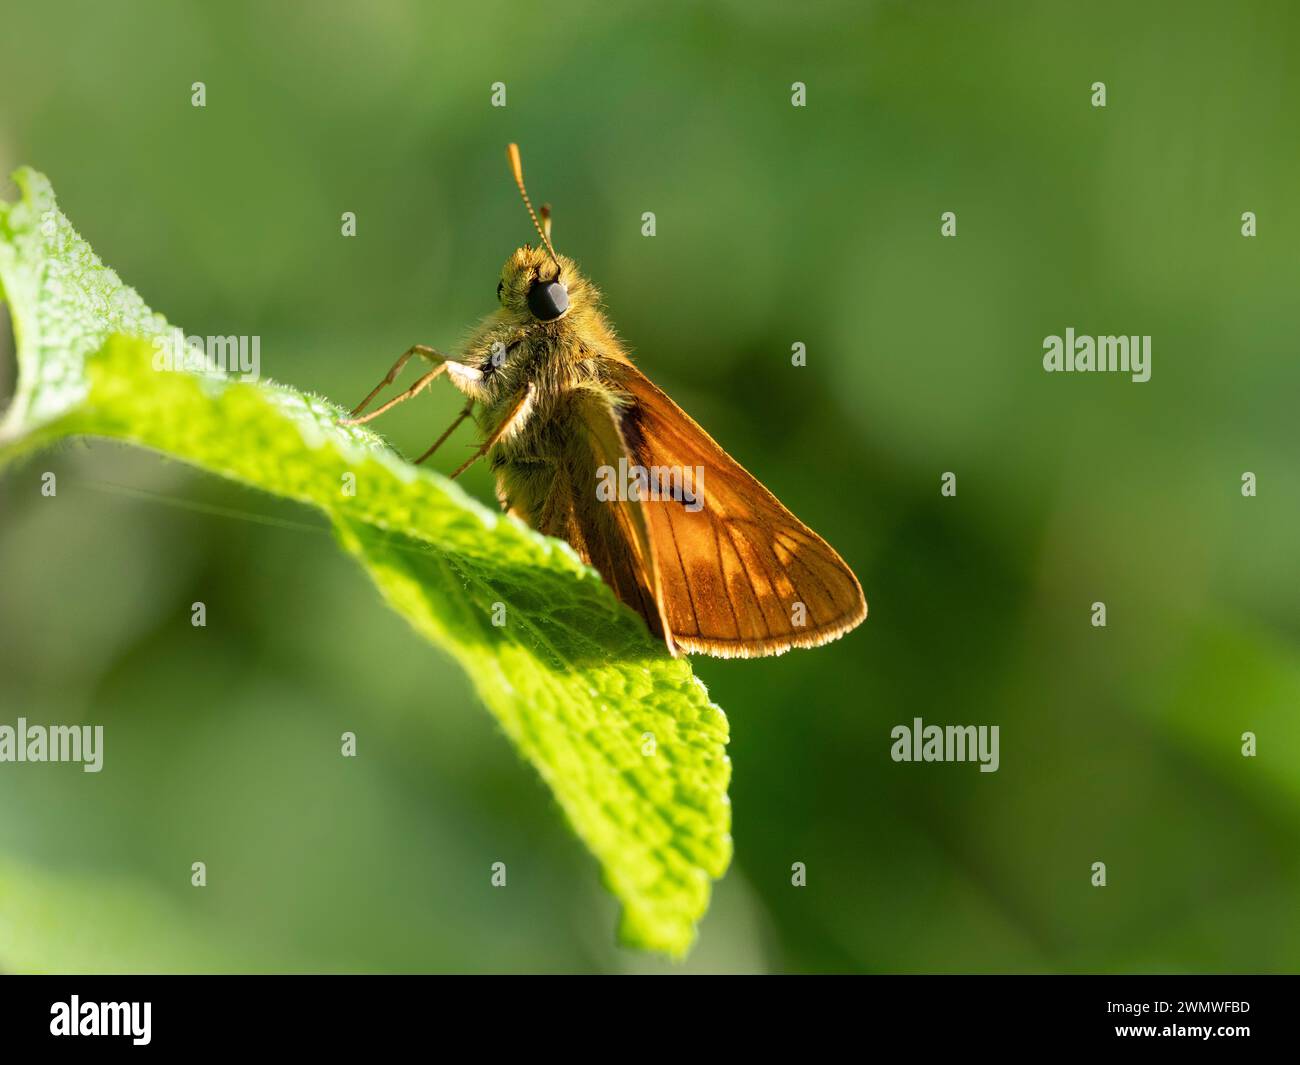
(517, 168)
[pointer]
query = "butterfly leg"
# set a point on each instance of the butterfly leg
(424, 351)
(469, 409)
(517, 413)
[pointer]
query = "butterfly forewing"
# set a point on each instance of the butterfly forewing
(738, 574)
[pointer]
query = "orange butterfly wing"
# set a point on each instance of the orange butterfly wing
(736, 574)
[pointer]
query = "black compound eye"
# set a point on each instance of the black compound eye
(548, 300)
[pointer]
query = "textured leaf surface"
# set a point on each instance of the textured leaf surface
(624, 736)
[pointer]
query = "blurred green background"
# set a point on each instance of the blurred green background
(775, 225)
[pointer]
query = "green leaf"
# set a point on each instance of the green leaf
(573, 677)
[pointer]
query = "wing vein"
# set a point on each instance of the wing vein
(758, 601)
(722, 573)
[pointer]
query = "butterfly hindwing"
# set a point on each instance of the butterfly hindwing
(561, 500)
